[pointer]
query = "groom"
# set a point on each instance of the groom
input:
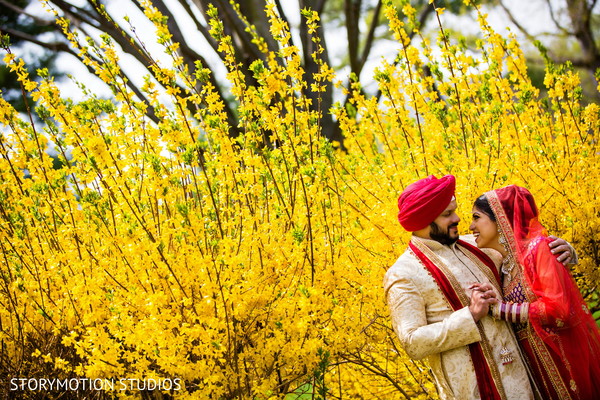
(437, 310)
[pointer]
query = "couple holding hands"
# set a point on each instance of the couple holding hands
(496, 313)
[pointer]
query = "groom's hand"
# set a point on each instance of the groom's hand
(481, 298)
(564, 252)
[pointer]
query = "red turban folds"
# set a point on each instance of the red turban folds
(423, 201)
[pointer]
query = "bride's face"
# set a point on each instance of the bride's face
(484, 229)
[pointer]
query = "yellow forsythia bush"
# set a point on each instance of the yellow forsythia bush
(175, 259)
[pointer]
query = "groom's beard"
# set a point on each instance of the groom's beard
(442, 236)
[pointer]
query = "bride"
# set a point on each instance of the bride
(555, 329)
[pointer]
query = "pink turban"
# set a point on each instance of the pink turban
(424, 200)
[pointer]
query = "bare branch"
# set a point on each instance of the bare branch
(580, 15)
(516, 23)
(56, 46)
(554, 19)
(203, 29)
(371, 35)
(39, 21)
(78, 14)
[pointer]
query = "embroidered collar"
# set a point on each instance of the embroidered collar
(433, 244)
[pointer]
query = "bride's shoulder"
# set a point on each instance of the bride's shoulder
(538, 243)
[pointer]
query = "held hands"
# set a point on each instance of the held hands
(482, 296)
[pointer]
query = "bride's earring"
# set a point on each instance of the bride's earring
(507, 263)
(501, 239)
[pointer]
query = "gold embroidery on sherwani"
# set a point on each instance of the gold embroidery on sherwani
(485, 345)
(486, 271)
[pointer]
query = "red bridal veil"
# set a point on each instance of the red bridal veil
(559, 315)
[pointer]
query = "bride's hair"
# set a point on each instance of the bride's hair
(483, 205)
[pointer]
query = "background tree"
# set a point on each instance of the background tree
(353, 27)
(570, 35)
(26, 29)
(356, 26)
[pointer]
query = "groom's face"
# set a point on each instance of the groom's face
(444, 228)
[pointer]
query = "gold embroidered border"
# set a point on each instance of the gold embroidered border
(507, 231)
(547, 361)
(485, 345)
(464, 300)
(504, 224)
(429, 273)
(482, 267)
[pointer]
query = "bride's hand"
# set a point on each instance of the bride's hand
(481, 297)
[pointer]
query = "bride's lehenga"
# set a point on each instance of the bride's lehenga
(556, 332)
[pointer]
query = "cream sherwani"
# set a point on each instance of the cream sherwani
(428, 327)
